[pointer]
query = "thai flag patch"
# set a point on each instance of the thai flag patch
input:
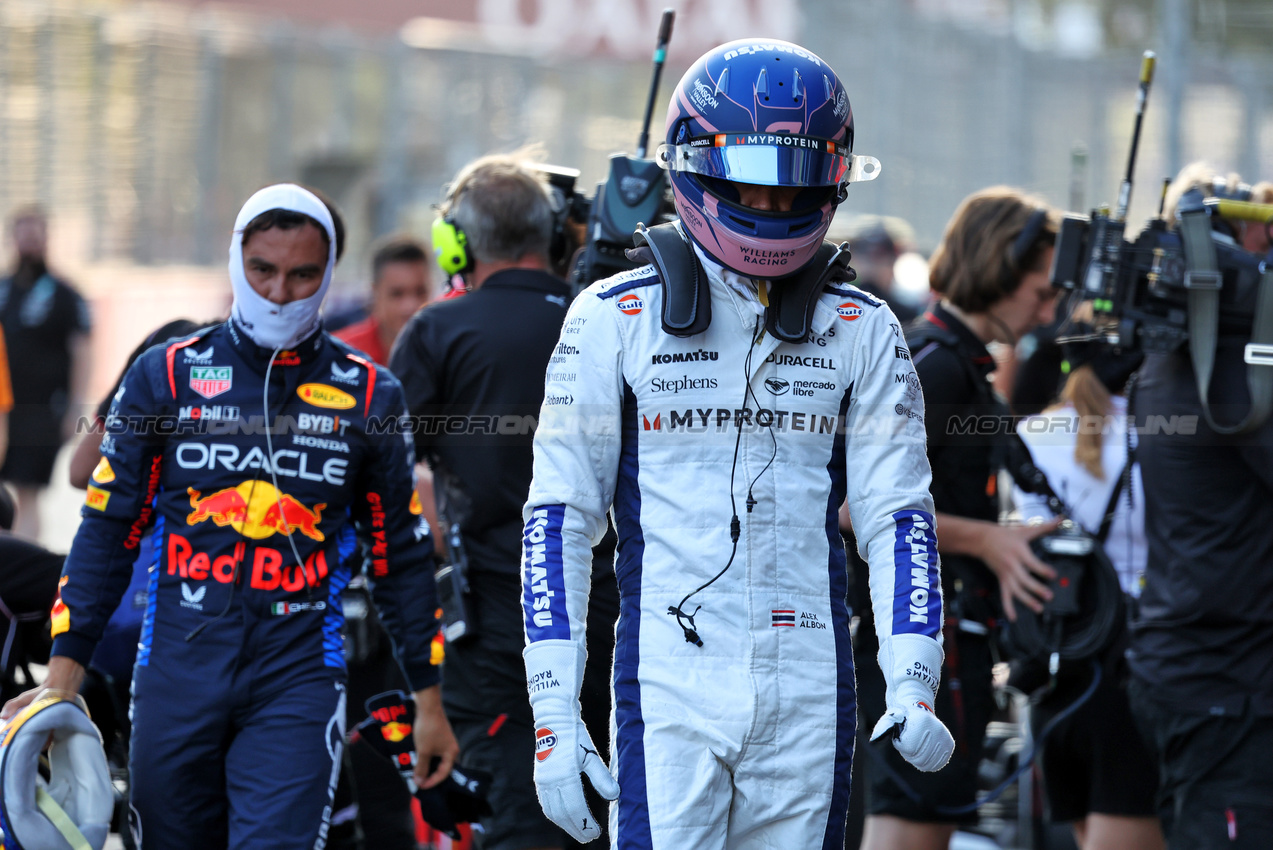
(783, 617)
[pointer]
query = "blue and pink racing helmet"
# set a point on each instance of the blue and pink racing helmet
(766, 112)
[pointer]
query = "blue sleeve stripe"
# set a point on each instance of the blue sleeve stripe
(917, 581)
(543, 578)
(334, 619)
(147, 638)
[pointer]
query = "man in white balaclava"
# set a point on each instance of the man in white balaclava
(256, 452)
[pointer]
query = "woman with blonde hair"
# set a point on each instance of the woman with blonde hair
(1098, 774)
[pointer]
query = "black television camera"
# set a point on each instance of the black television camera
(1170, 288)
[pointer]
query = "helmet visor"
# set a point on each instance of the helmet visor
(769, 159)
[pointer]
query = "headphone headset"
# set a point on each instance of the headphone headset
(450, 245)
(1026, 238)
(1021, 246)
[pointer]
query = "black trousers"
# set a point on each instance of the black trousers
(1215, 781)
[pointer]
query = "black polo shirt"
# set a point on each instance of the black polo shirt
(473, 370)
(40, 317)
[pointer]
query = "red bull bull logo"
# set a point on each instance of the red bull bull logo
(395, 732)
(256, 510)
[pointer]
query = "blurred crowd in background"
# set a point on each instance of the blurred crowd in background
(140, 126)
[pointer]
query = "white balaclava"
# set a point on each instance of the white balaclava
(267, 324)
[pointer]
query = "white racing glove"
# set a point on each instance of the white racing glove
(912, 671)
(563, 748)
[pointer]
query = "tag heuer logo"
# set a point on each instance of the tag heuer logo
(345, 376)
(193, 356)
(209, 381)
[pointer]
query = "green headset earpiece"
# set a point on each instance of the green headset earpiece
(450, 245)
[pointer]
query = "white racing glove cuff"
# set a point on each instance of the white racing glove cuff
(563, 748)
(912, 671)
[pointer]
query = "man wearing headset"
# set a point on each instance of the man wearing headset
(260, 450)
(723, 403)
(473, 372)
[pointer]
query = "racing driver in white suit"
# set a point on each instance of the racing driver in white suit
(724, 402)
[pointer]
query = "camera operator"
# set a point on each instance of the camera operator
(480, 361)
(991, 274)
(1098, 773)
(1202, 669)
(1201, 179)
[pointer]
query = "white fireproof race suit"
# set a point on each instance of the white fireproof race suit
(746, 740)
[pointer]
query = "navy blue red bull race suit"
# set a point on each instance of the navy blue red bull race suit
(238, 710)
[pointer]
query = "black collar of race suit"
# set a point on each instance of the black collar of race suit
(258, 357)
(687, 297)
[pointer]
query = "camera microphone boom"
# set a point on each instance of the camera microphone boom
(1107, 231)
(634, 193)
(1142, 97)
(660, 54)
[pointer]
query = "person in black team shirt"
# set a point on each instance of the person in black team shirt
(991, 275)
(481, 360)
(46, 326)
(1202, 644)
